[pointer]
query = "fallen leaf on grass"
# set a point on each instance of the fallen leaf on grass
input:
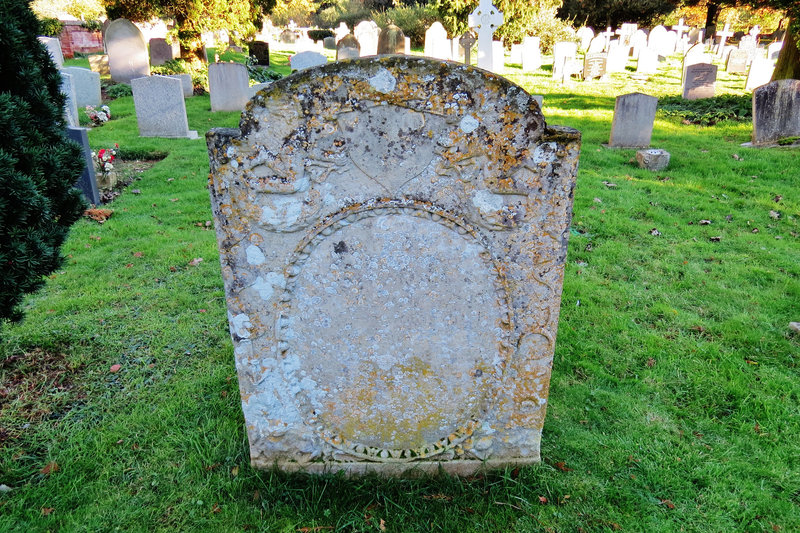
(382, 525)
(757, 428)
(49, 468)
(138, 254)
(609, 184)
(173, 199)
(777, 198)
(47, 510)
(136, 191)
(715, 239)
(114, 368)
(100, 215)
(216, 509)
(235, 471)
(542, 500)
(561, 465)
(755, 230)
(774, 215)
(438, 496)
(736, 157)
(668, 503)
(196, 261)
(751, 362)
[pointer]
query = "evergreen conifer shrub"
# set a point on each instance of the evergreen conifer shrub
(38, 164)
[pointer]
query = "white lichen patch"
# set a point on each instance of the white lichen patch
(469, 124)
(383, 81)
(254, 255)
(267, 287)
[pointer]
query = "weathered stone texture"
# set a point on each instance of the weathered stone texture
(393, 233)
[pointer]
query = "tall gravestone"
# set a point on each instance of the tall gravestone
(485, 20)
(632, 126)
(393, 267)
(160, 109)
(392, 40)
(585, 34)
(70, 103)
(127, 52)
(259, 52)
(228, 86)
(87, 183)
(161, 51)
(348, 47)
(437, 45)
(531, 54)
(53, 46)
(341, 30)
(563, 52)
(367, 33)
(699, 81)
(87, 86)
(776, 111)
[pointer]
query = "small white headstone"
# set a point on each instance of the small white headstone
(437, 44)
(531, 54)
(366, 33)
(228, 86)
(307, 59)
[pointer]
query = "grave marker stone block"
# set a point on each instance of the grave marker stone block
(186, 83)
(228, 86)
(161, 51)
(99, 64)
(127, 51)
(648, 61)
(466, 42)
(87, 86)
(634, 115)
(307, 59)
(700, 81)
(531, 54)
(485, 20)
(87, 183)
(436, 44)
(53, 46)
(760, 73)
(70, 103)
(774, 50)
(737, 62)
(392, 40)
(259, 51)
(776, 111)
(160, 109)
(562, 52)
(329, 43)
(341, 31)
(348, 47)
(367, 33)
(391, 308)
(585, 34)
(498, 57)
(594, 65)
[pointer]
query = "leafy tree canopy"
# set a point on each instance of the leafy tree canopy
(602, 13)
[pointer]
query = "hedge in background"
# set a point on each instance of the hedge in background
(38, 165)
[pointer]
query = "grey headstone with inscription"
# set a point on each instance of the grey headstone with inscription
(776, 111)
(127, 51)
(228, 86)
(186, 83)
(161, 51)
(87, 86)
(392, 304)
(160, 110)
(634, 115)
(348, 47)
(699, 81)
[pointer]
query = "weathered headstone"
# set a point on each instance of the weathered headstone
(348, 47)
(367, 33)
(634, 115)
(617, 58)
(87, 183)
(696, 54)
(390, 307)
(99, 63)
(458, 50)
(127, 52)
(625, 33)
(53, 46)
(161, 51)
(606, 37)
(562, 52)
(774, 50)
(749, 45)
(186, 83)
(585, 34)
(485, 20)
(700, 81)
(776, 111)
(87, 86)
(594, 65)
(531, 54)
(70, 103)
(648, 61)
(670, 43)
(306, 59)
(341, 31)
(329, 43)
(760, 73)
(695, 36)
(259, 52)
(436, 44)
(737, 62)
(160, 109)
(392, 40)
(228, 86)
(654, 159)
(288, 36)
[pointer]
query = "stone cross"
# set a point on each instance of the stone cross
(485, 19)
(607, 35)
(393, 267)
(680, 27)
(723, 36)
(466, 42)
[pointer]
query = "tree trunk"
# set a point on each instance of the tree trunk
(711, 19)
(788, 65)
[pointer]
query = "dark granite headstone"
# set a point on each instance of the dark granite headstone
(87, 183)
(776, 111)
(259, 51)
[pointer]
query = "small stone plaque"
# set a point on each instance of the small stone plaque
(393, 233)
(161, 51)
(700, 81)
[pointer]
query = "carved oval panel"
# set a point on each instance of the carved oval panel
(399, 319)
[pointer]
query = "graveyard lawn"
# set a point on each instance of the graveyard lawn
(674, 403)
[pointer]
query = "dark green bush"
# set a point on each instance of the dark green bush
(261, 74)
(414, 20)
(119, 90)
(318, 35)
(50, 27)
(38, 165)
(708, 111)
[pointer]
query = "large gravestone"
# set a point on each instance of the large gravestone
(437, 45)
(161, 51)
(259, 52)
(633, 121)
(307, 59)
(53, 46)
(160, 109)
(87, 183)
(348, 47)
(393, 266)
(392, 40)
(87, 86)
(367, 34)
(699, 81)
(760, 73)
(776, 111)
(658, 40)
(127, 51)
(228, 86)
(737, 62)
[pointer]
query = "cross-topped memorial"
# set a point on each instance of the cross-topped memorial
(680, 27)
(466, 41)
(485, 19)
(723, 36)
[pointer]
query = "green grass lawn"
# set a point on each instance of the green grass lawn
(675, 398)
